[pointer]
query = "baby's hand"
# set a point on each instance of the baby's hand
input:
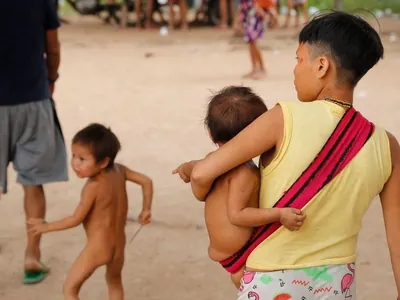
(38, 226)
(182, 175)
(292, 218)
(145, 217)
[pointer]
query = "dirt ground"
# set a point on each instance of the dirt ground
(156, 105)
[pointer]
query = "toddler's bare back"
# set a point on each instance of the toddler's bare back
(225, 238)
(107, 218)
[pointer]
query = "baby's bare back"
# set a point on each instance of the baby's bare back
(106, 221)
(225, 238)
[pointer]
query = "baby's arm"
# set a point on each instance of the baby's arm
(147, 188)
(87, 200)
(239, 214)
(185, 170)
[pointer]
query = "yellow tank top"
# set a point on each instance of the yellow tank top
(334, 215)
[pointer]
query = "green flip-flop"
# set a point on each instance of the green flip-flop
(32, 277)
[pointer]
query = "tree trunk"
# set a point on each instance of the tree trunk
(338, 4)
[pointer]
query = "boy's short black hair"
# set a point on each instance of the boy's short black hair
(349, 40)
(231, 110)
(103, 142)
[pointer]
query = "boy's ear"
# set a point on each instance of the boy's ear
(104, 163)
(322, 64)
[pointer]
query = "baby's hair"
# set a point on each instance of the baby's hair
(352, 43)
(231, 110)
(102, 141)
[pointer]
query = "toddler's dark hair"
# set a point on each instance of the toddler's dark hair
(231, 110)
(350, 41)
(103, 142)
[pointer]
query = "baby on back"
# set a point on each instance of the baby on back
(231, 207)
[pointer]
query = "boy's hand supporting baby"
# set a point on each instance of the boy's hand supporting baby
(291, 218)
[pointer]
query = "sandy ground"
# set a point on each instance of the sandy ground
(156, 105)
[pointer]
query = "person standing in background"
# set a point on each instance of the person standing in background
(30, 134)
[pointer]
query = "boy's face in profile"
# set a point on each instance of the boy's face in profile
(83, 162)
(309, 74)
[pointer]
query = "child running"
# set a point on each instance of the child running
(253, 14)
(231, 207)
(102, 210)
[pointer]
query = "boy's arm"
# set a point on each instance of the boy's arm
(390, 200)
(240, 192)
(145, 182)
(260, 136)
(87, 200)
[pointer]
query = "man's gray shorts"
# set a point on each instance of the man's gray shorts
(31, 138)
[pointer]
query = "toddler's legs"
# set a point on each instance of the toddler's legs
(237, 277)
(114, 280)
(87, 262)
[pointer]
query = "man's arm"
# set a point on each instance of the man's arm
(390, 200)
(260, 136)
(52, 49)
(53, 54)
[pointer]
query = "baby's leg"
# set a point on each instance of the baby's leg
(113, 277)
(87, 262)
(237, 277)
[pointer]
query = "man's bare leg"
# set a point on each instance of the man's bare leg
(35, 208)
(149, 13)
(183, 12)
(138, 11)
(289, 9)
(297, 18)
(171, 19)
(223, 11)
(124, 15)
(305, 12)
